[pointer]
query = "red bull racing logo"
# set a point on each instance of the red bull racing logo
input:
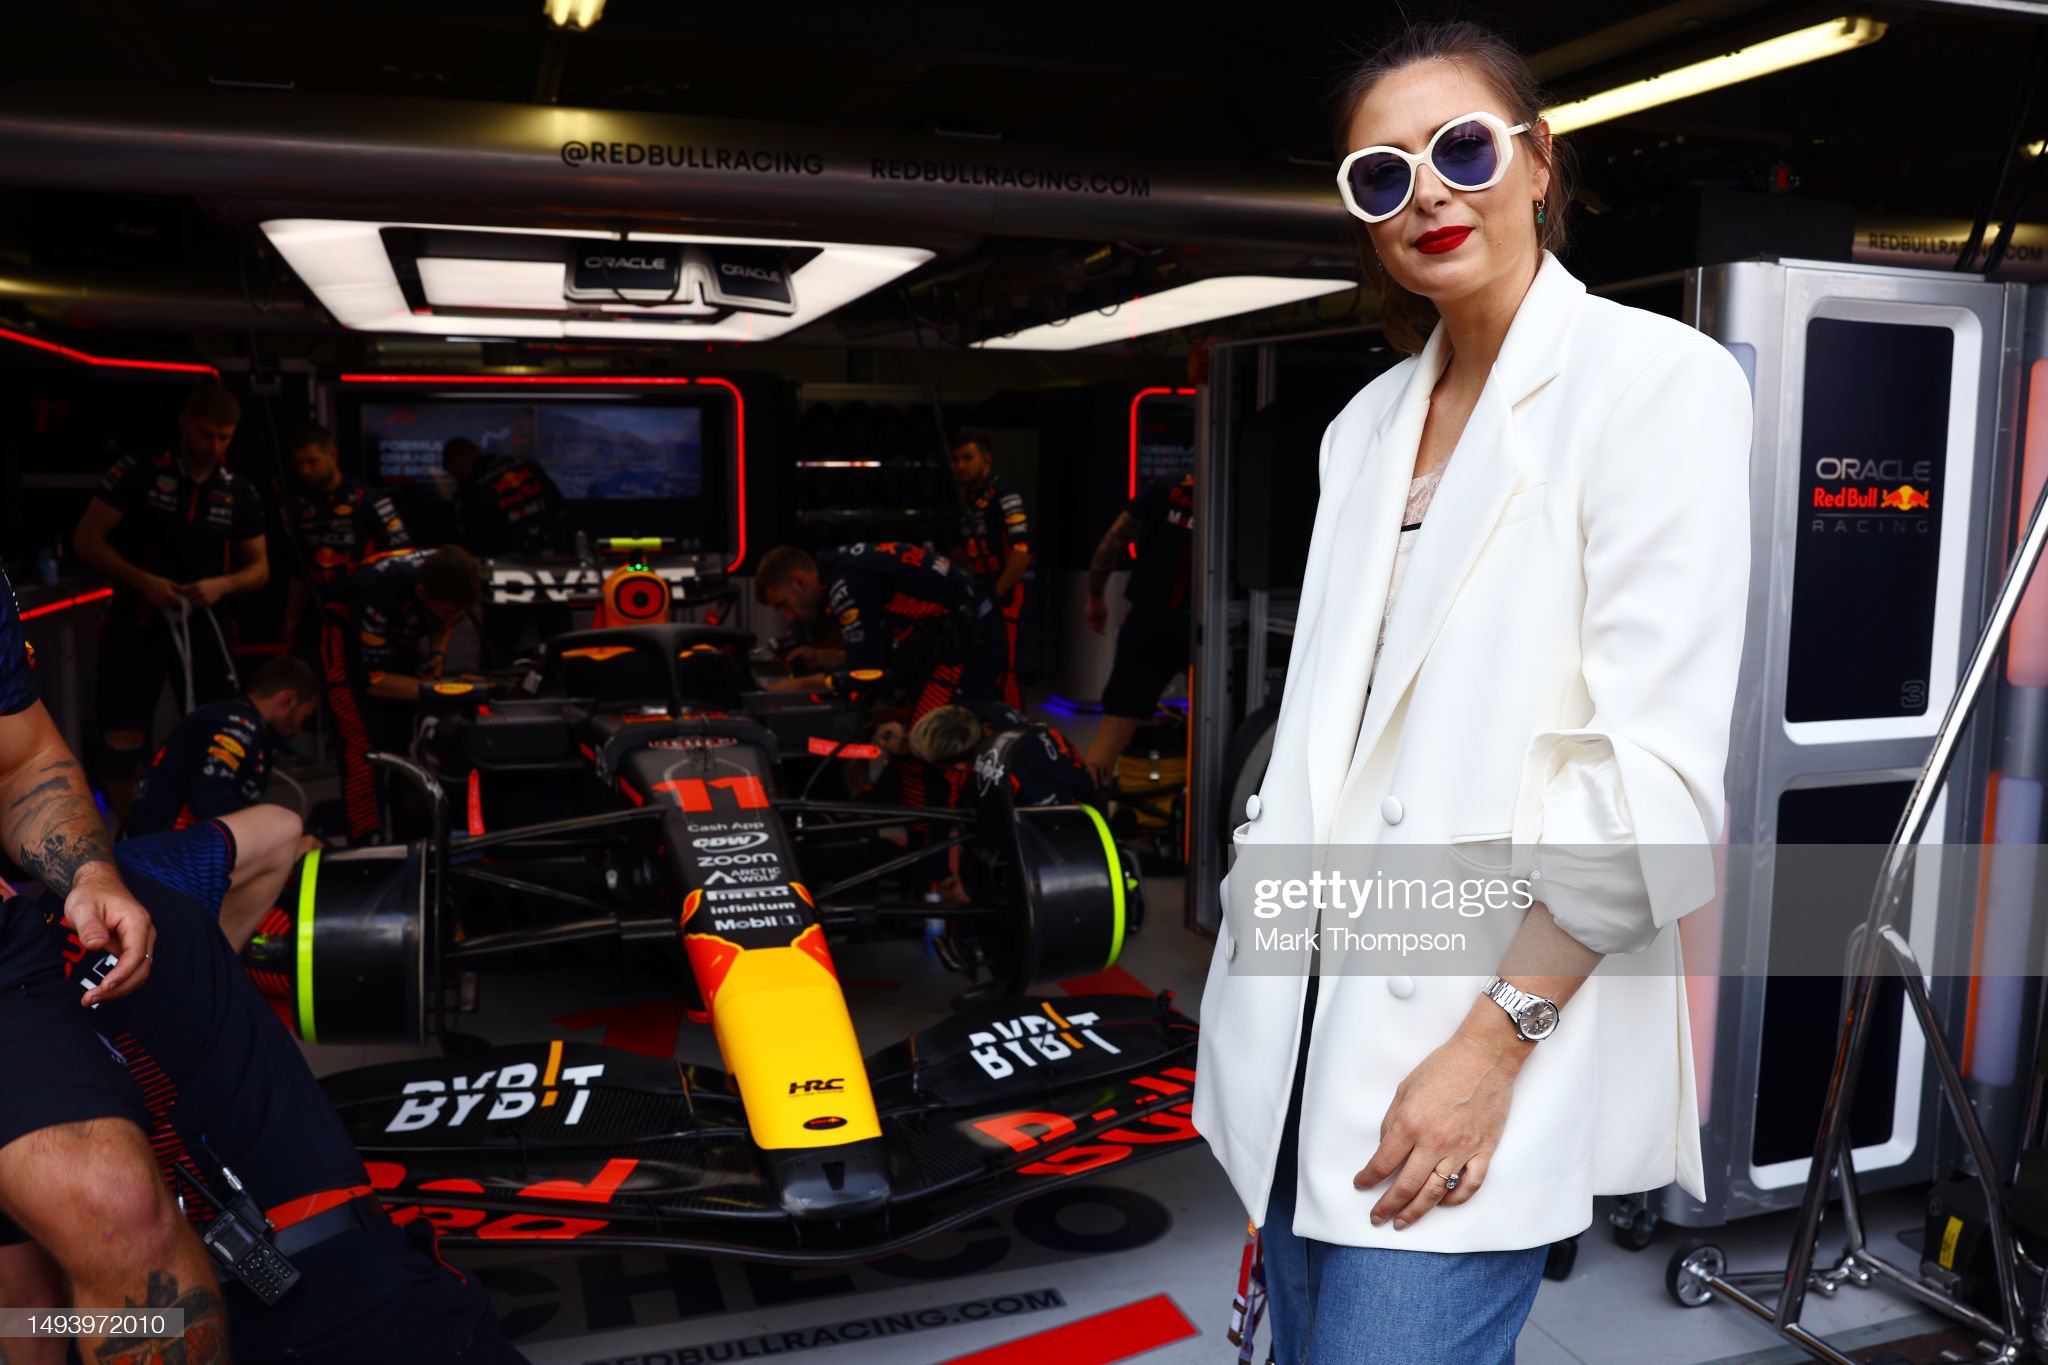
(1904, 498)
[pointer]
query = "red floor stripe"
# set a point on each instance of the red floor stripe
(1116, 1335)
(1110, 981)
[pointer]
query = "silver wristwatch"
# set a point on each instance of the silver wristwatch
(1535, 1018)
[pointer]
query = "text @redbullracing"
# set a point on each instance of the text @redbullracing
(578, 154)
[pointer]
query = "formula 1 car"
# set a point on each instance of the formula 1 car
(649, 797)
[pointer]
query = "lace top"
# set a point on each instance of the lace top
(1420, 491)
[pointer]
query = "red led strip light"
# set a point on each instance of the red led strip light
(105, 361)
(1143, 394)
(52, 608)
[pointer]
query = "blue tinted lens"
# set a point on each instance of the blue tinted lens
(1379, 182)
(1466, 156)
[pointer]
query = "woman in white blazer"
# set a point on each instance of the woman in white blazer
(1558, 670)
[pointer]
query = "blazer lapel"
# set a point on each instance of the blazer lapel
(1482, 472)
(1363, 538)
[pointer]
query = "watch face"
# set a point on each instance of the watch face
(1538, 1020)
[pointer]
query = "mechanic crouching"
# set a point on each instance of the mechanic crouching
(978, 754)
(311, 1267)
(217, 762)
(402, 609)
(917, 631)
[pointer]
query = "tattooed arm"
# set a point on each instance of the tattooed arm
(49, 825)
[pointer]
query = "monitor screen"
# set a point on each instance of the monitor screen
(601, 452)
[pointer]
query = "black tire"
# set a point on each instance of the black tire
(1134, 891)
(1244, 766)
(1680, 1280)
(1638, 1232)
(1558, 1263)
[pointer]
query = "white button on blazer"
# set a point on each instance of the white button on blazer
(1562, 656)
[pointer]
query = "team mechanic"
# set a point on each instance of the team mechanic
(75, 1169)
(911, 621)
(995, 543)
(978, 754)
(504, 504)
(227, 1090)
(217, 762)
(402, 607)
(507, 505)
(917, 632)
(1152, 643)
(342, 523)
(176, 534)
(218, 759)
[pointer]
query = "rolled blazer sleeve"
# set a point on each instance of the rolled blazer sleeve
(1621, 812)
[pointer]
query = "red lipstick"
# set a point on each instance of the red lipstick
(1442, 240)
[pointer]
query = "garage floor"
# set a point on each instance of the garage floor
(1170, 1227)
(1140, 1265)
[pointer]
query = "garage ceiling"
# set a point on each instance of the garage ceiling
(1914, 127)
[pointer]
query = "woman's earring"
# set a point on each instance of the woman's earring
(1539, 213)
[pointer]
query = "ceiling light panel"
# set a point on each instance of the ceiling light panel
(1187, 305)
(345, 263)
(1744, 64)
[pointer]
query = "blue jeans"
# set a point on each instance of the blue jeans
(1343, 1305)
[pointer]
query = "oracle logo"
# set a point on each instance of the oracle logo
(1835, 468)
(625, 262)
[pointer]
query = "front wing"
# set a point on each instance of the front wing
(574, 1142)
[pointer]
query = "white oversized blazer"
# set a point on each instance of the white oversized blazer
(1560, 664)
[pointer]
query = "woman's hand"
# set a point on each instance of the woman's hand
(1446, 1119)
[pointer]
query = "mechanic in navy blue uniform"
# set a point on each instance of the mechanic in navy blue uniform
(914, 625)
(75, 1167)
(980, 755)
(340, 523)
(225, 1086)
(218, 759)
(217, 763)
(995, 543)
(402, 607)
(983, 745)
(1152, 644)
(177, 533)
(505, 505)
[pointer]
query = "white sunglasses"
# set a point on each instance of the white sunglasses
(1378, 182)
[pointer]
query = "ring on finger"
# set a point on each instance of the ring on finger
(1450, 1178)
